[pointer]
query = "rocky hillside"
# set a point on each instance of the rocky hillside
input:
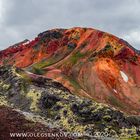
(41, 100)
(78, 80)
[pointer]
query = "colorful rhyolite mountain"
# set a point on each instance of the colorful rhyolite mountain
(88, 62)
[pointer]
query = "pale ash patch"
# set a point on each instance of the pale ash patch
(26, 43)
(115, 90)
(124, 76)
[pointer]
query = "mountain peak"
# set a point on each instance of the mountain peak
(89, 62)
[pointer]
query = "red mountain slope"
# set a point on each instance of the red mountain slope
(88, 62)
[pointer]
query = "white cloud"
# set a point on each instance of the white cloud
(27, 18)
(1, 11)
(133, 38)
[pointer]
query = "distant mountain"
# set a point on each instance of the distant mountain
(83, 63)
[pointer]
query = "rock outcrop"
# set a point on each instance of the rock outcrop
(37, 97)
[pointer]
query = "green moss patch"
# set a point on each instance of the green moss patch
(75, 57)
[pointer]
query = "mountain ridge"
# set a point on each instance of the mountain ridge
(88, 62)
(71, 80)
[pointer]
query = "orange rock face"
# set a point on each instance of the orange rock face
(89, 62)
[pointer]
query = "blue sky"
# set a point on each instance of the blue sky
(21, 19)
